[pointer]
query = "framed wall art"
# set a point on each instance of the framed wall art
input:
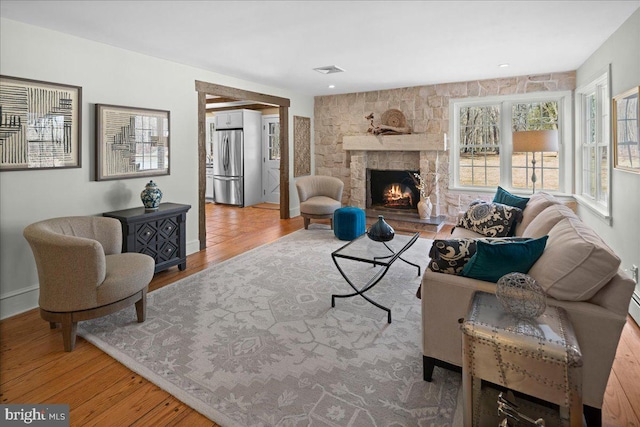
(626, 131)
(40, 125)
(131, 142)
(301, 146)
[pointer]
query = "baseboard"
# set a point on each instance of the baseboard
(17, 302)
(294, 212)
(193, 247)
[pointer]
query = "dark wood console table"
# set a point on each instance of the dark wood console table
(160, 234)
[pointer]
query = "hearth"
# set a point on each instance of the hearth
(392, 190)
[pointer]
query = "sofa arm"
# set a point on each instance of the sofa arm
(445, 300)
(598, 332)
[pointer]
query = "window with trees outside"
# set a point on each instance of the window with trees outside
(593, 144)
(482, 155)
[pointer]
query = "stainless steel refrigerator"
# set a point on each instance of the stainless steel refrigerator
(237, 173)
(228, 167)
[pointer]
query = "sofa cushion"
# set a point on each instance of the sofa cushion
(576, 263)
(542, 224)
(493, 260)
(449, 256)
(506, 198)
(536, 204)
(490, 219)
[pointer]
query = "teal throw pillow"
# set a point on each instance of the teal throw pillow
(493, 260)
(506, 198)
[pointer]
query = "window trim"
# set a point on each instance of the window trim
(593, 86)
(565, 126)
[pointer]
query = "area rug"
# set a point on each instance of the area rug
(254, 341)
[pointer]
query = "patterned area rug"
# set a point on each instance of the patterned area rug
(253, 341)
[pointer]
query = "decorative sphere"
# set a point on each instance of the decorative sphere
(521, 295)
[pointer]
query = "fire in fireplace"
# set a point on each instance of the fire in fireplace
(397, 196)
(391, 189)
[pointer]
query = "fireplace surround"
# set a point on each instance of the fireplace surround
(401, 153)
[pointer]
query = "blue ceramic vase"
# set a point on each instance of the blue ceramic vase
(381, 231)
(151, 196)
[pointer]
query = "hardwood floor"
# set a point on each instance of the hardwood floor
(102, 392)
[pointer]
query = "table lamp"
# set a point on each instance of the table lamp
(534, 141)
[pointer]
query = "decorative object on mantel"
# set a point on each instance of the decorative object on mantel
(425, 186)
(521, 295)
(393, 123)
(381, 231)
(151, 196)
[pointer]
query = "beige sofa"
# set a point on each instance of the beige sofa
(578, 271)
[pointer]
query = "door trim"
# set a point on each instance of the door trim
(204, 88)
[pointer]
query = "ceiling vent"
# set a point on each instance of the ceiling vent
(329, 69)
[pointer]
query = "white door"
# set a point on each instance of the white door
(271, 158)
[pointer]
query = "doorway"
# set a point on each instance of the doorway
(244, 99)
(271, 158)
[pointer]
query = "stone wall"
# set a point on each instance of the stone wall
(426, 109)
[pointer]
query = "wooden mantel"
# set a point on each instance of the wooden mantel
(411, 142)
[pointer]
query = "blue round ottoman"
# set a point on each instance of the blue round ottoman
(348, 223)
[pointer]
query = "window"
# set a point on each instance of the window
(480, 145)
(592, 144)
(482, 155)
(535, 116)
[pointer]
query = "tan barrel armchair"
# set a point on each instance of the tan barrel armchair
(319, 197)
(82, 272)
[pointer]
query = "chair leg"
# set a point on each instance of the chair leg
(331, 222)
(69, 328)
(592, 415)
(141, 306)
(306, 222)
(428, 363)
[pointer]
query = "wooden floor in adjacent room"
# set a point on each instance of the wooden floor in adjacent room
(102, 392)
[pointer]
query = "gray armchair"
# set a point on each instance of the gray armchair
(319, 197)
(82, 272)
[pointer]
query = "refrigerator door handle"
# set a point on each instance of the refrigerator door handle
(226, 152)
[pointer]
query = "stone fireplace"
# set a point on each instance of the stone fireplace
(420, 153)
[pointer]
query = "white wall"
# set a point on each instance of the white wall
(107, 75)
(622, 51)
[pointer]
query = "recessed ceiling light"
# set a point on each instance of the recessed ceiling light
(332, 86)
(505, 65)
(329, 69)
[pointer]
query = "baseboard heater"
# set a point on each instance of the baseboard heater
(634, 307)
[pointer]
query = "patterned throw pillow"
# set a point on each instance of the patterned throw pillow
(491, 219)
(450, 256)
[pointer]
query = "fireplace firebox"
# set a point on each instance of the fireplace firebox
(391, 189)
